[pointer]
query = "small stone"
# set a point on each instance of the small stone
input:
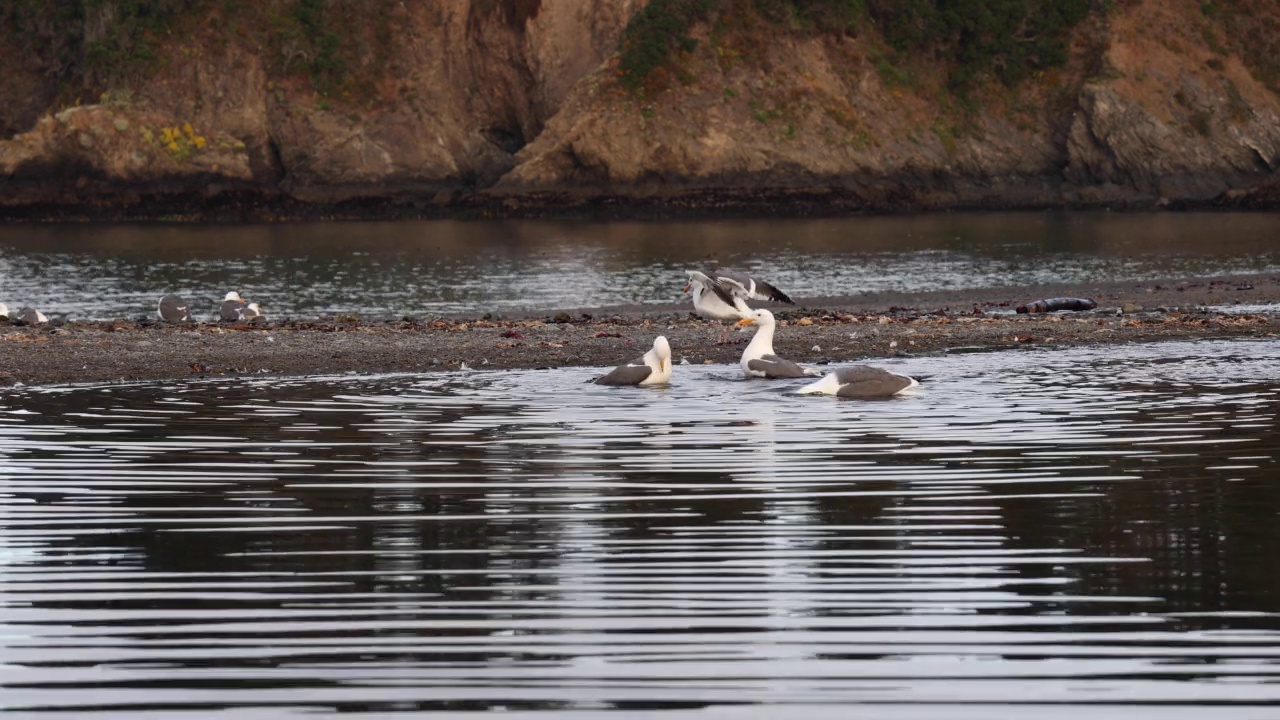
(893, 343)
(805, 321)
(121, 124)
(816, 348)
(1130, 308)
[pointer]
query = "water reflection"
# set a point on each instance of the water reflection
(1085, 525)
(392, 269)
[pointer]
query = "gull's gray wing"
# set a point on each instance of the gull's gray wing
(861, 381)
(231, 310)
(173, 309)
(29, 316)
(633, 373)
(753, 287)
(775, 367)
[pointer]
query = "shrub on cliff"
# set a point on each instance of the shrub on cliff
(655, 33)
(106, 42)
(1009, 39)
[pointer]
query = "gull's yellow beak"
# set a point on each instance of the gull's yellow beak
(686, 287)
(746, 321)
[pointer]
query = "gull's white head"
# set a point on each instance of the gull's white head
(662, 349)
(254, 307)
(4, 310)
(760, 317)
(233, 295)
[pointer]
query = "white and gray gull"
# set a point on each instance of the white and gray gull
(174, 309)
(722, 295)
(759, 360)
(32, 316)
(653, 368)
(232, 307)
(860, 381)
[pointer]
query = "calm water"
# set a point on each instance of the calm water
(1046, 527)
(393, 269)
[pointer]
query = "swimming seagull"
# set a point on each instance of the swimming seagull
(653, 368)
(722, 295)
(174, 309)
(860, 381)
(759, 360)
(32, 316)
(232, 306)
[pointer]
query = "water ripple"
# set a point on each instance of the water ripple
(1042, 527)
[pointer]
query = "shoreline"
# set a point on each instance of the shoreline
(815, 331)
(251, 205)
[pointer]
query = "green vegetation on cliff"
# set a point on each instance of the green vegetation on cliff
(96, 45)
(101, 41)
(1250, 28)
(1008, 39)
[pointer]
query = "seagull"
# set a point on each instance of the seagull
(232, 306)
(174, 309)
(4, 311)
(722, 295)
(759, 360)
(32, 316)
(251, 312)
(860, 381)
(653, 368)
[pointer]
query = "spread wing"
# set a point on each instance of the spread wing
(867, 382)
(633, 373)
(752, 288)
(713, 285)
(775, 367)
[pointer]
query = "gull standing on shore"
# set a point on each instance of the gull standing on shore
(759, 360)
(232, 307)
(653, 368)
(174, 309)
(32, 316)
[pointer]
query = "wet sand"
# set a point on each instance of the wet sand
(816, 330)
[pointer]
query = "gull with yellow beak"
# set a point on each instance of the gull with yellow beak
(653, 368)
(759, 360)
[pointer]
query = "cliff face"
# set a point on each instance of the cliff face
(516, 104)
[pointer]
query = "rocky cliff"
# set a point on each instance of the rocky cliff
(515, 107)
